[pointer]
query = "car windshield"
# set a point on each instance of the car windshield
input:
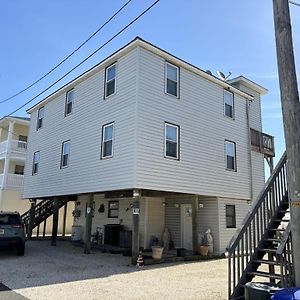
(10, 220)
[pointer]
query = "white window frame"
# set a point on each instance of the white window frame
(35, 162)
(107, 81)
(235, 160)
(177, 141)
(166, 79)
(63, 153)
(103, 141)
(39, 124)
(67, 102)
(224, 104)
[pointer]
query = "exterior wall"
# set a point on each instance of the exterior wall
(11, 201)
(203, 130)
(86, 171)
(241, 209)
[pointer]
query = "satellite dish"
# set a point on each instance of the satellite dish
(221, 75)
(208, 72)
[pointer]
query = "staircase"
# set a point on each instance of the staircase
(261, 248)
(42, 211)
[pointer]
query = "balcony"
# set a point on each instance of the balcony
(16, 147)
(262, 142)
(13, 182)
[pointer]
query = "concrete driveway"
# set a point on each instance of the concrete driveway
(64, 272)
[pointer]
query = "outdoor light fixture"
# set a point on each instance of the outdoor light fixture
(201, 205)
(136, 193)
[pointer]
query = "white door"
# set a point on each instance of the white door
(186, 226)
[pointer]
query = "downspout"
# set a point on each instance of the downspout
(249, 149)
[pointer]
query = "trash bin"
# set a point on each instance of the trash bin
(260, 290)
(287, 294)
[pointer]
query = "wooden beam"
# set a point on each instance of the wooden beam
(65, 219)
(136, 227)
(55, 221)
(31, 218)
(44, 229)
(195, 224)
(88, 224)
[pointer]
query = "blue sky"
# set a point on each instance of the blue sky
(231, 35)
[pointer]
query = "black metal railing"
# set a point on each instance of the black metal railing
(284, 257)
(262, 142)
(254, 228)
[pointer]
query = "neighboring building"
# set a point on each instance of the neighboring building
(13, 146)
(144, 119)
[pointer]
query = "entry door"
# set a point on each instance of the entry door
(186, 227)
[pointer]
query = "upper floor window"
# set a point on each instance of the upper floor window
(19, 169)
(171, 80)
(230, 216)
(65, 154)
(22, 141)
(69, 102)
(107, 140)
(171, 141)
(110, 80)
(36, 161)
(228, 104)
(230, 155)
(40, 118)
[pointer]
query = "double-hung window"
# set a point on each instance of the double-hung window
(171, 141)
(35, 163)
(107, 140)
(230, 216)
(65, 154)
(171, 80)
(40, 118)
(110, 80)
(113, 209)
(230, 150)
(228, 104)
(69, 102)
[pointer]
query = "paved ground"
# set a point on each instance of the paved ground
(64, 272)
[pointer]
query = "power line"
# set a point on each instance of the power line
(83, 61)
(295, 3)
(66, 58)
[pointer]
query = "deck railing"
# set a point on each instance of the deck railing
(255, 225)
(262, 142)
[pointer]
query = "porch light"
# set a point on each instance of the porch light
(136, 193)
(201, 205)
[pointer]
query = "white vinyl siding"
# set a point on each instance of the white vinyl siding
(171, 80)
(69, 102)
(110, 80)
(87, 172)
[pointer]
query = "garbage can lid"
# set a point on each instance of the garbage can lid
(263, 286)
(287, 294)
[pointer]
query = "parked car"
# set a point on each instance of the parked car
(12, 232)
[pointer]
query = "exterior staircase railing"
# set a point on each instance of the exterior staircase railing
(247, 247)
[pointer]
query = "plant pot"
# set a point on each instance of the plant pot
(203, 250)
(157, 252)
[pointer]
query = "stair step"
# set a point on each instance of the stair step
(276, 229)
(264, 274)
(281, 220)
(267, 250)
(264, 261)
(272, 240)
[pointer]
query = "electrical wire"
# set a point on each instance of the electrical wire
(295, 3)
(83, 61)
(66, 58)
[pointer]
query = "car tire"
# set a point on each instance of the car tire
(21, 250)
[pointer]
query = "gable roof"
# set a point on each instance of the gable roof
(125, 49)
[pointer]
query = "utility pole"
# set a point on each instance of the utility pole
(291, 118)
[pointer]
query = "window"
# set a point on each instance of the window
(230, 156)
(19, 170)
(228, 104)
(69, 102)
(36, 161)
(171, 141)
(107, 140)
(40, 118)
(65, 154)
(22, 142)
(230, 216)
(171, 83)
(113, 209)
(110, 80)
